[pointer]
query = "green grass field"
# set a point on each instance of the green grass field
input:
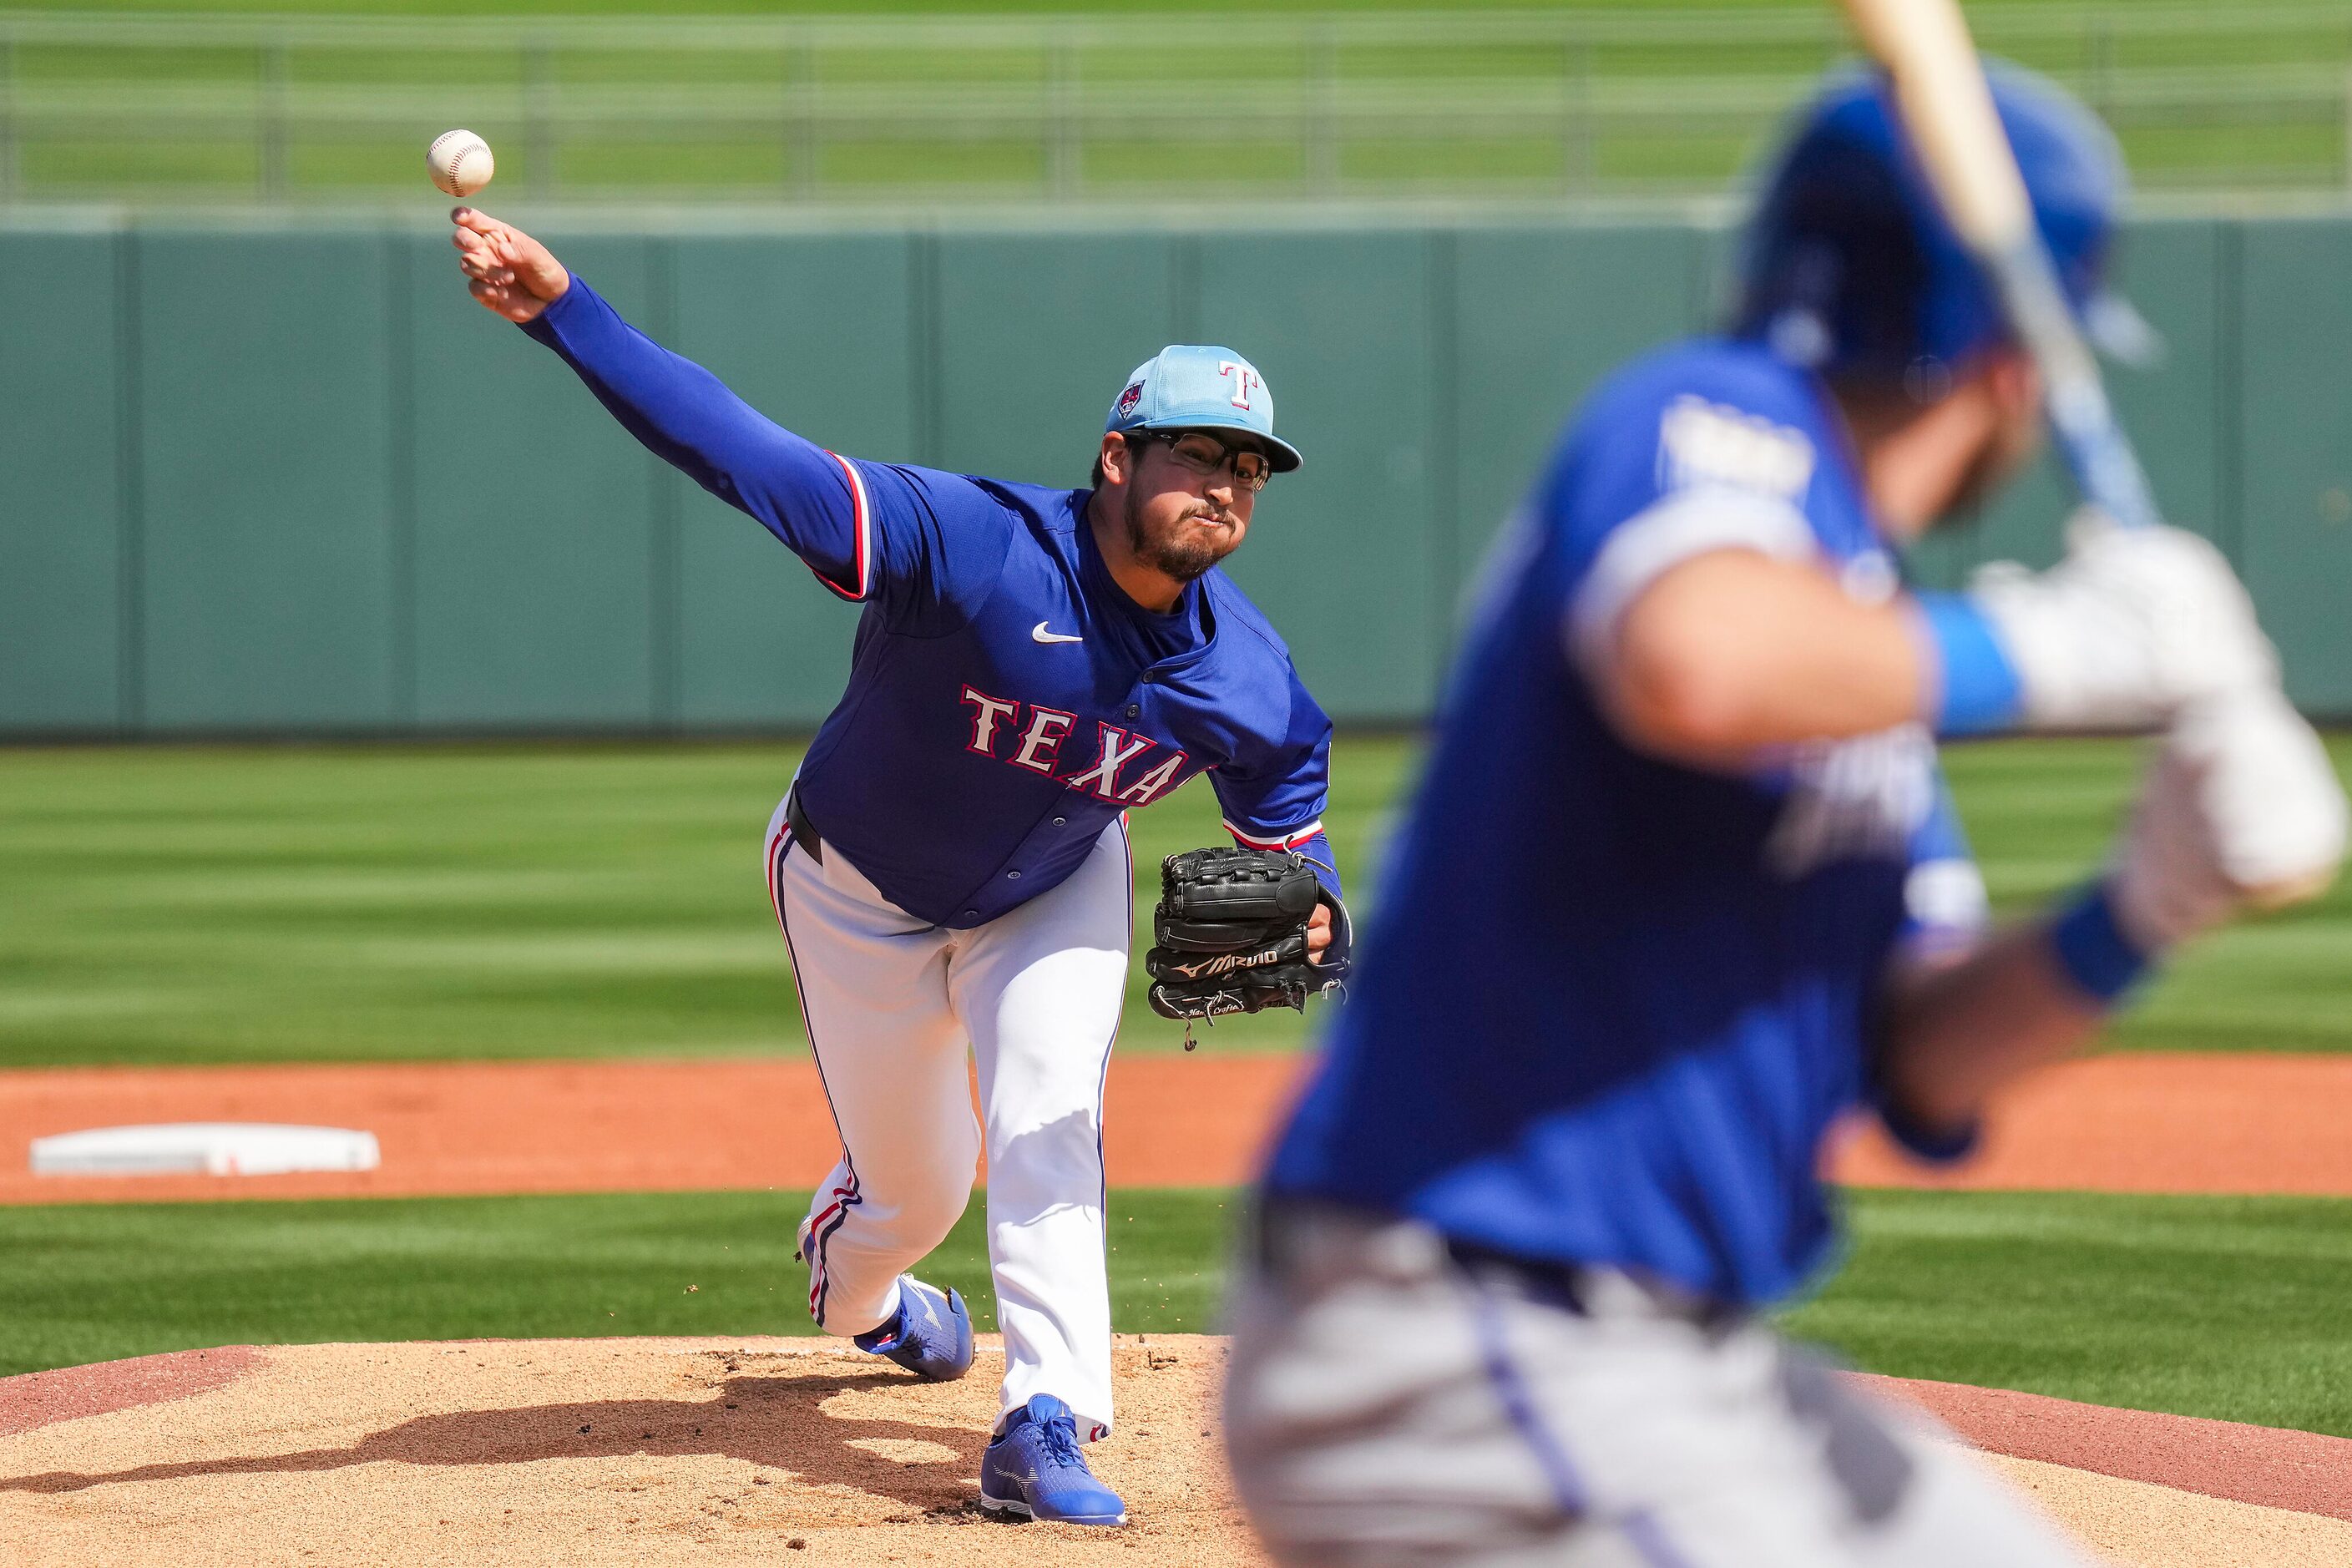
(173, 905)
(2223, 1307)
(882, 8)
(320, 903)
(90, 1282)
(362, 903)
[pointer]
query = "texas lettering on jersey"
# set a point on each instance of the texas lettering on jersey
(965, 579)
(1025, 735)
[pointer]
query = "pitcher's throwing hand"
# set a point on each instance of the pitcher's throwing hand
(508, 271)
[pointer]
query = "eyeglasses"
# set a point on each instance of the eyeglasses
(1207, 456)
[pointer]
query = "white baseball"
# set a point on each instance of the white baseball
(460, 162)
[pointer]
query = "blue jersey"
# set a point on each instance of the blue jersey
(1657, 982)
(1006, 697)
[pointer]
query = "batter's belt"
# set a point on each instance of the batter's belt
(1311, 1239)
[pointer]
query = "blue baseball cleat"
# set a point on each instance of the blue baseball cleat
(930, 1336)
(1036, 1469)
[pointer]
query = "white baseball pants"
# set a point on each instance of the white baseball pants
(892, 1005)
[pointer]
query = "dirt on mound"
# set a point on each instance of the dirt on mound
(585, 1451)
(2145, 1525)
(2304, 1471)
(721, 1451)
(45, 1398)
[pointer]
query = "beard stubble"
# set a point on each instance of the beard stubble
(1162, 553)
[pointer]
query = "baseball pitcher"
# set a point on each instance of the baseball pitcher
(951, 868)
(1515, 1238)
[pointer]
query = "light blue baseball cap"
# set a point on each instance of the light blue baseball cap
(1198, 386)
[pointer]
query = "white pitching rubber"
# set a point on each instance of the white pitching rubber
(207, 1148)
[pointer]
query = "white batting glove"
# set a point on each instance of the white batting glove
(2131, 627)
(2239, 810)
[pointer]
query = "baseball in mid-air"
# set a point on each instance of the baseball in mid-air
(460, 162)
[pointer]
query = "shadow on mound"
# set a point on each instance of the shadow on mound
(774, 1421)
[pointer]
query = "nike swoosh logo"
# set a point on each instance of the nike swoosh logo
(1040, 634)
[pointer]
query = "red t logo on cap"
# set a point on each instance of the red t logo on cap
(1244, 380)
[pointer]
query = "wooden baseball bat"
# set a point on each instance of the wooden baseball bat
(1947, 107)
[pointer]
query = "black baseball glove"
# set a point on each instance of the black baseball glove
(1231, 934)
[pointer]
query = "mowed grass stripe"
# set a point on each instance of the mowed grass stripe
(2230, 1307)
(221, 904)
(2041, 816)
(2224, 1307)
(224, 904)
(179, 905)
(94, 1283)
(885, 9)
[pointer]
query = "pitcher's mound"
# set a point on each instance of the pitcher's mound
(582, 1451)
(804, 1450)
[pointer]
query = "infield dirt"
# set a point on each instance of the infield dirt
(707, 1451)
(591, 1452)
(660, 1451)
(2171, 1123)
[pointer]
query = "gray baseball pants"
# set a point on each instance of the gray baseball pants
(1390, 1404)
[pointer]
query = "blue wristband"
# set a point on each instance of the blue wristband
(1980, 690)
(2091, 947)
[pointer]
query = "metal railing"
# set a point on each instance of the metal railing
(1074, 109)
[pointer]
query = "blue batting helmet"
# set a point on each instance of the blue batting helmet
(1851, 269)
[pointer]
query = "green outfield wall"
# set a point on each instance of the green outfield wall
(294, 481)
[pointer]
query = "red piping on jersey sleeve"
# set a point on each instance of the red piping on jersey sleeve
(1291, 840)
(863, 512)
